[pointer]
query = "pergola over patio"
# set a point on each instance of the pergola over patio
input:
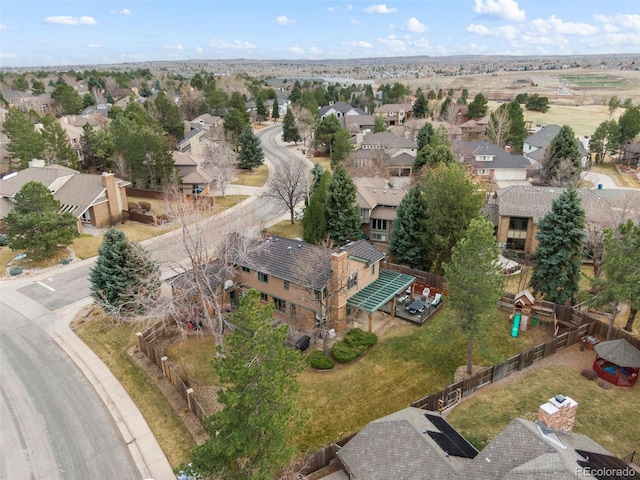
(379, 292)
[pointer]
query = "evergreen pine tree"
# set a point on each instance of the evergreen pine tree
(563, 152)
(314, 221)
(25, 142)
(379, 125)
(420, 107)
(253, 435)
(124, 279)
(341, 147)
(408, 230)
(275, 111)
(343, 215)
(261, 110)
(424, 135)
(251, 154)
(36, 224)
(518, 130)
(557, 260)
(475, 281)
(290, 132)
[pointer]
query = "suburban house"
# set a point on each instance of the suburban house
(491, 163)
(378, 203)
(194, 177)
(535, 145)
(341, 110)
(360, 123)
(417, 444)
(394, 113)
(521, 207)
(192, 142)
(283, 104)
(309, 283)
(97, 200)
(391, 144)
(475, 129)
(383, 154)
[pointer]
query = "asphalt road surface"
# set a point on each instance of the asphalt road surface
(53, 425)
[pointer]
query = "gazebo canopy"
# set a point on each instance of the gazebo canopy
(380, 291)
(620, 352)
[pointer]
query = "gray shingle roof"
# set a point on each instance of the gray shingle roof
(535, 202)
(401, 160)
(501, 159)
(542, 138)
(364, 250)
(387, 140)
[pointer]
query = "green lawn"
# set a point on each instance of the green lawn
(285, 229)
(406, 364)
(608, 417)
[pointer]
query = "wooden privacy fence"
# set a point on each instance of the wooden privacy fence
(145, 339)
(427, 278)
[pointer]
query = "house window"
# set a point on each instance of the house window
(518, 223)
(377, 224)
(293, 313)
(286, 284)
(352, 280)
(319, 294)
(263, 277)
(373, 269)
(516, 244)
(281, 305)
(246, 269)
(364, 213)
(263, 297)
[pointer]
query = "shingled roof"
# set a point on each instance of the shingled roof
(469, 151)
(536, 202)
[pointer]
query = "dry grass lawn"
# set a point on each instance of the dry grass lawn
(254, 178)
(607, 416)
(112, 343)
(620, 180)
(285, 229)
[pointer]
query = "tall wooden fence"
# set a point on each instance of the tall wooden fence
(145, 344)
(427, 278)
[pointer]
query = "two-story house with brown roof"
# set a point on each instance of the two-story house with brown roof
(309, 284)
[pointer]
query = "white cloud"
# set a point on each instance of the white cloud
(505, 9)
(349, 7)
(558, 26)
(8, 55)
(94, 45)
(353, 21)
(421, 43)
(315, 51)
(283, 20)
(296, 50)
(198, 49)
(235, 45)
(359, 44)
(413, 25)
(393, 42)
(124, 11)
(478, 29)
(68, 20)
(620, 22)
(332, 9)
(177, 47)
(382, 8)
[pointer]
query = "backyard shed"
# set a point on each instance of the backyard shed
(617, 362)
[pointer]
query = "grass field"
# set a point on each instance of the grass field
(607, 416)
(582, 119)
(112, 343)
(285, 229)
(594, 81)
(255, 178)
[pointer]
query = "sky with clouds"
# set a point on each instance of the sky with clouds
(72, 32)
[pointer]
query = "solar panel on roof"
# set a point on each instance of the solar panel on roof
(449, 440)
(606, 467)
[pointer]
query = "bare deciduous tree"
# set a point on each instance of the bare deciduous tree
(289, 185)
(306, 123)
(221, 162)
(191, 102)
(498, 128)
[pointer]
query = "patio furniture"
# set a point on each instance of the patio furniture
(417, 306)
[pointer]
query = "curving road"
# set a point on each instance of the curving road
(53, 424)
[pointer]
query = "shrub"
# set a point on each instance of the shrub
(132, 206)
(359, 338)
(317, 359)
(4, 241)
(146, 206)
(65, 261)
(15, 271)
(604, 384)
(345, 353)
(589, 374)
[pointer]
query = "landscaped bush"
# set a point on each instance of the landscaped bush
(604, 384)
(345, 353)
(317, 359)
(65, 261)
(15, 270)
(589, 374)
(359, 338)
(146, 206)
(4, 241)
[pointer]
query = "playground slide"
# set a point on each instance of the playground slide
(516, 325)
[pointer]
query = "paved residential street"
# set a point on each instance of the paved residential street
(58, 421)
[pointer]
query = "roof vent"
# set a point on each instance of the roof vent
(299, 245)
(289, 249)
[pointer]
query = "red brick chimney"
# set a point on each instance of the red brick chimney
(507, 148)
(559, 413)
